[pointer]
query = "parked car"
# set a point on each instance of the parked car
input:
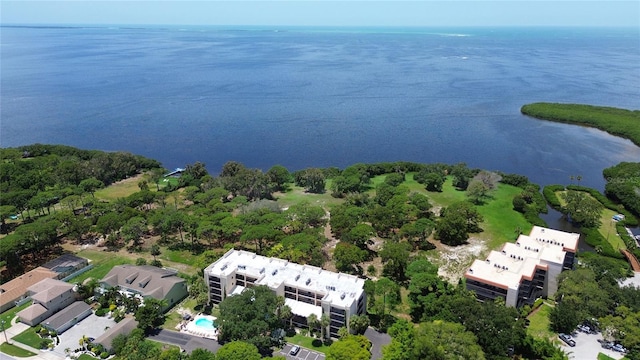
(567, 339)
(294, 350)
(618, 348)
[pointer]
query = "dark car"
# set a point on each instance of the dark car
(294, 350)
(567, 339)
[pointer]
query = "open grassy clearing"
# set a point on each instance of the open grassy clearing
(8, 315)
(540, 324)
(173, 318)
(16, 351)
(296, 195)
(102, 261)
(500, 220)
(122, 189)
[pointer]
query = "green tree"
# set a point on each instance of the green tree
(395, 257)
(251, 317)
(312, 179)
(279, 176)
(90, 185)
(348, 257)
(238, 350)
(351, 347)
(582, 208)
(358, 324)
(155, 251)
(434, 181)
(359, 235)
(150, 315)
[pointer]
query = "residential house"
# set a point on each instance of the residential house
(49, 296)
(16, 290)
(147, 281)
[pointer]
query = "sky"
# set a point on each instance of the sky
(325, 13)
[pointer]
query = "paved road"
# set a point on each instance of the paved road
(378, 340)
(185, 341)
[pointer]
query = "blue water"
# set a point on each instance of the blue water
(206, 323)
(322, 97)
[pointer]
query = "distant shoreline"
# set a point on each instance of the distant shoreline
(619, 122)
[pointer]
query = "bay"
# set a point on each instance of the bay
(319, 97)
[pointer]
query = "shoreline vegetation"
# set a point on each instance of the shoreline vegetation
(619, 122)
(410, 228)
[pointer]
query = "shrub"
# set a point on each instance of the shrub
(102, 311)
(549, 193)
(104, 355)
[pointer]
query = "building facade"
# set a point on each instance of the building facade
(525, 270)
(307, 289)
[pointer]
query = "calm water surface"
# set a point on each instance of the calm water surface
(322, 97)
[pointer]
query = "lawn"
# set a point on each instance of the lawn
(179, 256)
(86, 357)
(307, 342)
(172, 319)
(608, 230)
(539, 326)
(29, 337)
(8, 315)
(602, 356)
(500, 220)
(102, 261)
(13, 350)
(296, 195)
(122, 189)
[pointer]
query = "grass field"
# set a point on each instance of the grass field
(8, 315)
(308, 342)
(539, 326)
(102, 261)
(13, 350)
(296, 195)
(500, 220)
(29, 337)
(122, 188)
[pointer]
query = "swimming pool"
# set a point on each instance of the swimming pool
(203, 325)
(206, 323)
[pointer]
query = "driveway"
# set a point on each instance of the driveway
(378, 340)
(587, 348)
(92, 326)
(185, 341)
(303, 354)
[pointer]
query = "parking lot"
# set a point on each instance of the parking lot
(303, 354)
(587, 347)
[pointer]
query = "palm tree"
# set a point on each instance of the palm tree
(324, 322)
(84, 340)
(312, 322)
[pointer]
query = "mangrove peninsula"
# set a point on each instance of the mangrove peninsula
(404, 234)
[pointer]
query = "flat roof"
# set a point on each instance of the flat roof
(338, 288)
(507, 267)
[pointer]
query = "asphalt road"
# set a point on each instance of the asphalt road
(185, 341)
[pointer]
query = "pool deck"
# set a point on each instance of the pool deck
(193, 329)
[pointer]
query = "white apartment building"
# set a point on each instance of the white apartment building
(307, 289)
(525, 270)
